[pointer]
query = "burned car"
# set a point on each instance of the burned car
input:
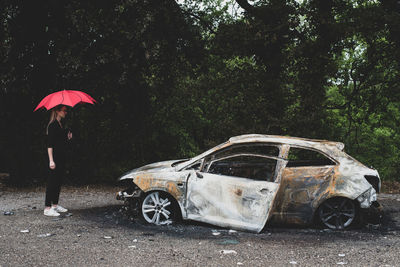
(254, 179)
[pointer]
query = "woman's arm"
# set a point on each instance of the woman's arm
(51, 141)
(52, 164)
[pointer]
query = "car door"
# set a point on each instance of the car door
(305, 178)
(235, 191)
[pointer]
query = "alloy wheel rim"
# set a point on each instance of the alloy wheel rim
(155, 209)
(337, 213)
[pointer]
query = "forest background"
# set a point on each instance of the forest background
(173, 79)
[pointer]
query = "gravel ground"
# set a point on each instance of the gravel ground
(97, 234)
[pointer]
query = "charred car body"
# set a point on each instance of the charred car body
(254, 179)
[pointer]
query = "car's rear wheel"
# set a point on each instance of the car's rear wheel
(159, 208)
(338, 213)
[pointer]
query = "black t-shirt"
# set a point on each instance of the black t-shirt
(57, 139)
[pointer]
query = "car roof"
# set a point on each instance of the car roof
(322, 145)
(298, 141)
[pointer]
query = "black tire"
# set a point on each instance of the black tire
(159, 208)
(338, 213)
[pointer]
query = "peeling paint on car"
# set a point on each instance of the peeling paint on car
(214, 199)
(294, 195)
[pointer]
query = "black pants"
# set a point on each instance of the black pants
(54, 181)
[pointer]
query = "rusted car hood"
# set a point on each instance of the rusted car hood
(161, 166)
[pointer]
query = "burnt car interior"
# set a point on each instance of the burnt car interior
(300, 157)
(253, 167)
(252, 161)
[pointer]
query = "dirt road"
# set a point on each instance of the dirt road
(97, 234)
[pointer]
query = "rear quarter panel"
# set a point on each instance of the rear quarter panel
(303, 189)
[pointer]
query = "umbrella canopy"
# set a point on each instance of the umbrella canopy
(65, 97)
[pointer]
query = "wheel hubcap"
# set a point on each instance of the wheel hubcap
(154, 209)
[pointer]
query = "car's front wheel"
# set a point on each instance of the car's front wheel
(338, 213)
(159, 208)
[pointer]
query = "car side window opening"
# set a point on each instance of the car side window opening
(300, 157)
(253, 167)
(255, 149)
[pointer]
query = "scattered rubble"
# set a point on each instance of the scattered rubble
(227, 251)
(215, 232)
(45, 235)
(309, 247)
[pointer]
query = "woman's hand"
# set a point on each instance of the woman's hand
(52, 165)
(69, 135)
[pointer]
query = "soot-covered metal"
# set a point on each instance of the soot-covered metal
(254, 179)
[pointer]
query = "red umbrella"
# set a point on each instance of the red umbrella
(65, 97)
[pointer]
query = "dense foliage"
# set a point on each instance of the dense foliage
(175, 78)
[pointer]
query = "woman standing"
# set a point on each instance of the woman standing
(57, 138)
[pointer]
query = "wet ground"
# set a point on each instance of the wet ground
(96, 233)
